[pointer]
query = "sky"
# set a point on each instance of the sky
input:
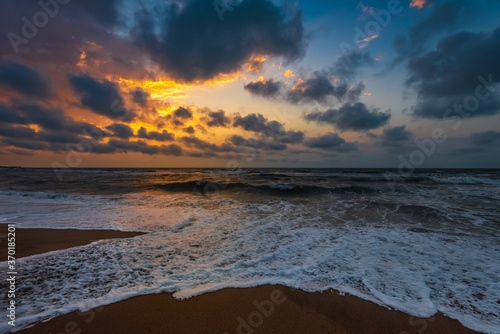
(250, 83)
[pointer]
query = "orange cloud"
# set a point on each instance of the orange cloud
(364, 42)
(417, 3)
(289, 74)
(255, 64)
(169, 89)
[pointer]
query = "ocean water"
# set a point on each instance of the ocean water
(421, 243)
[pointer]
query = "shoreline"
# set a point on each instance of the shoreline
(262, 309)
(33, 241)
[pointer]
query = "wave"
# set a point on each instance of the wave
(207, 187)
(463, 180)
(35, 194)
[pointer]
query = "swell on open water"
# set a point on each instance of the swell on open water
(421, 243)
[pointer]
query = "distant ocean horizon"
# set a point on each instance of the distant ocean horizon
(421, 242)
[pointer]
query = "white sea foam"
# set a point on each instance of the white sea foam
(204, 244)
(464, 180)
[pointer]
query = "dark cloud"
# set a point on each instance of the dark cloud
(485, 138)
(195, 44)
(28, 144)
(171, 149)
(139, 146)
(104, 12)
(71, 28)
(395, 136)
(102, 97)
(330, 141)
(189, 130)
(449, 76)
(206, 146)
(356, 117)
(139, 95)
(53, 119)
(24, 79)
(326, 86)
(183, 113)
(292, 137)
(121, 130)
(318, 88)
(59, 136)
(348, 65)
(9, 115)
(260, 124)
(443, 16)
(273, 145)
(154, 135)
(268, 88)
(17, 132)
(217, 119)
(242, 142)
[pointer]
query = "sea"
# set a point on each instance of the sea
(421, 242)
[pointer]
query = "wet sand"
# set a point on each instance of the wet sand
(31, 241)
(265, 309)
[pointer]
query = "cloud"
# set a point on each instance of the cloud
(418, 3)
(102, 97)
(217, 119)
(28, 144)
(255, 144)
(9, 115)
(485, 138)
(330, 141)
(318, 88)
(189, 130)
(144, 148)
(291, 137)
(139, 95)
(154, 135)
(443, 16)
(17, 132)
(121, 130)
(395, 136)
(197, 143)
(260, 124)
(326, 86)
(349, 64)
(24, 79)
(182, 113)
(195, 45)
(449, 76)
(268, 88)
(356, 117)
(104, 12)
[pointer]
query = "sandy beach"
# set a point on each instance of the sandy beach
(31, 241)
(242, 311)
(264, 309)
